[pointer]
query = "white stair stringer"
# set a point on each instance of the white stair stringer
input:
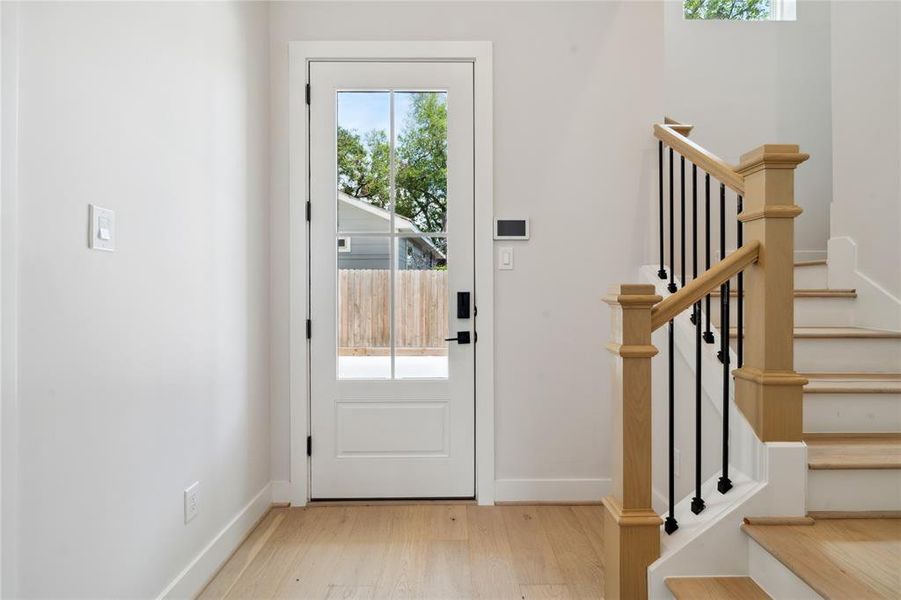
(712, 543)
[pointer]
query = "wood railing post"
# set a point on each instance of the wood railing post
(631, 527)
(767, 389)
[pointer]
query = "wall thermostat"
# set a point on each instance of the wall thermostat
(511, 229)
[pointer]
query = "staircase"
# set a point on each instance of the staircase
(846, 541)
(851, 546)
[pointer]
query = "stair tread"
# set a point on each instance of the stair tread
(826, 384)
(714, 588)
(838, 333)
(838, 558)
(810, 263)
(838, 451)
(807, 293)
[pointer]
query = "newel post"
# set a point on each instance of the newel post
(767, 389)
(631, 527)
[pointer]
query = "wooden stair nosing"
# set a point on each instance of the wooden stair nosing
(810, 263)
(714, 588)
(821, 515)
(846, 333)
(853, 451)
(805, 293)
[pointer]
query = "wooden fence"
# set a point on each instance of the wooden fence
(364, 325)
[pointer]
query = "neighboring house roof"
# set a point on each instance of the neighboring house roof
(402, 224)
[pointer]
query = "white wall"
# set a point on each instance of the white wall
(743, 84)
(144, 370)
(866, 96)
(577, 87)
(8, 298)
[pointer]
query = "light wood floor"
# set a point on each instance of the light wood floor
(426, 552)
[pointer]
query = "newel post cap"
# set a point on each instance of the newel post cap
(771, 156)
(633, 294)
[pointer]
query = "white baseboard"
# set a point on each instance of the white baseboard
(190, 582)
(551, 490)
(281, 492)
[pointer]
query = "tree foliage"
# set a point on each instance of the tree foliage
(420, 164)
(732, 10)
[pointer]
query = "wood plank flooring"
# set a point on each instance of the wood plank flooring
(419, 551)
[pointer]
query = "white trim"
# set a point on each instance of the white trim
(552, 490)
(191, 581)
(281, 492)
(480, 53)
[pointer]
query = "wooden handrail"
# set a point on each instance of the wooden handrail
(714, 277)
(669, 133)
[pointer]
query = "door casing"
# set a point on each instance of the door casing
(297, 490)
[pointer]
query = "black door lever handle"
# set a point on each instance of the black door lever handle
(463, 337)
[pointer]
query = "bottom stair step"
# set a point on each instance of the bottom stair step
(715, 588)
(838, 558)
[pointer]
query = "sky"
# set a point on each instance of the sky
(365, 111)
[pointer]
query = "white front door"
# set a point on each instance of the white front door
(391, 270)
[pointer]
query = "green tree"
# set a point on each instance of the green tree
(363, 163)
(420, 164)
(421, 153)
(731, 10)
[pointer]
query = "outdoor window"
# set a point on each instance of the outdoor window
(392, 234)
(740, 10)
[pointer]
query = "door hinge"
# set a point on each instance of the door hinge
(309, 329)
(309, 209)
(309, 445)
(308, 94)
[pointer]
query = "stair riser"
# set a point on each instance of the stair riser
(854, 489)
(842, 413)
(809, 312)
(840, 355)
(813, 277)
(775, 578)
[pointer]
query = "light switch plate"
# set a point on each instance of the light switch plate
(505, 258)
(103, 229)
(192, 501)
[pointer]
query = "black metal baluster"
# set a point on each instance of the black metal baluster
(670, 524)
(672, 238)
(682, 221)
(740, 317)
(708, 334)
(724, 484)
(662, 272)
(697, 503)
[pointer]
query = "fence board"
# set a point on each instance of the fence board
(364, 323)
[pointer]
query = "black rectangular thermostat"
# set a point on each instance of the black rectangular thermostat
(511, 229)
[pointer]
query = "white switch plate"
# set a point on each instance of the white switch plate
(192, 501)
(103, 229)
(505, 258)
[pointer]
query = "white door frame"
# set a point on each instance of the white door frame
(300, 54)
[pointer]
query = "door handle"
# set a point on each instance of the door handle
(463, 337)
